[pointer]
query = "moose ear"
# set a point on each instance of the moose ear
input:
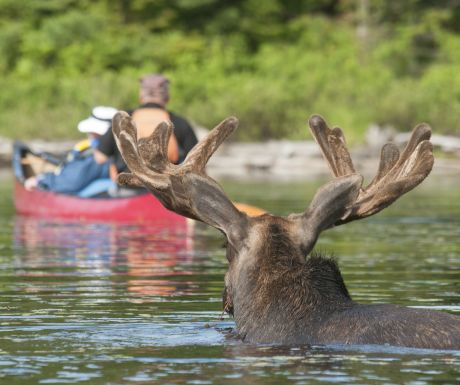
(332, 201)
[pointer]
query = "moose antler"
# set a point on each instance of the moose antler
(396, 175)
(185, 188)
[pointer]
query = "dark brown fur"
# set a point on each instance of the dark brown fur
(284, 298)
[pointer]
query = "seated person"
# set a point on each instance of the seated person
(80, 169)
(153, 97)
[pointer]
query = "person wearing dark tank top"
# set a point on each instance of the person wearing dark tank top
(153, 97)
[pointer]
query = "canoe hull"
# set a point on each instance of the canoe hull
(45, 204)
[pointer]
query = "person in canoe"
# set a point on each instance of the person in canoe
(77, 173)
(153, 97)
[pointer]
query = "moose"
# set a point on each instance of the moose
(277, 289)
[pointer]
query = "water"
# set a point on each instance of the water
(127, 304)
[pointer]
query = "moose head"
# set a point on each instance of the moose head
(276, 288)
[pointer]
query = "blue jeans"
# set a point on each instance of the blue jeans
(74, 176)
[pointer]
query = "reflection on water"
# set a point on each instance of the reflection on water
(106, 249)
(105, 303)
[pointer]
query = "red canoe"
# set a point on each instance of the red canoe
(45, 204)
(140, 208)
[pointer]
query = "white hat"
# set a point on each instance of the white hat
(99, 121)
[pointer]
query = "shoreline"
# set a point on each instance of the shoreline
(272, 160)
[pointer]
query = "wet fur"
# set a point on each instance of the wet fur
(285, 298)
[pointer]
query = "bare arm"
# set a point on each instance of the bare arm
(100, 157)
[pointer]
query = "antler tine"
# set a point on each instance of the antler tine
(154, 148)
(125, 135)
(396, 175)
(199, 156)
(390, 188)
(388, 158)
(391, 159)
(420, 133)
(333, 146)
(129, 180)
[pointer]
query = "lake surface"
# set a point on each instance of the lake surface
(126, 304)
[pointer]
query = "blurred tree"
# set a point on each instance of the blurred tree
(270, 62)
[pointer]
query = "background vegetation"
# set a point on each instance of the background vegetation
(272, 63)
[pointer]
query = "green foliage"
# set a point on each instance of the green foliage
(270, 63)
